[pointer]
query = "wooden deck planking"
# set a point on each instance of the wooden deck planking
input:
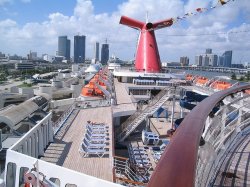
(65, 150)
(124, 101)
(236, 163)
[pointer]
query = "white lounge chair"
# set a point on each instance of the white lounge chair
(92, 145)
(92, 131)
(90, 151)
(99, 125)
(100, 139)
(98, 129)
(96, 134)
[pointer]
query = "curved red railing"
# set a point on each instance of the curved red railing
(177, 166)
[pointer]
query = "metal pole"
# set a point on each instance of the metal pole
(173, 107)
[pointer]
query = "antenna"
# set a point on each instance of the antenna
(147, 17)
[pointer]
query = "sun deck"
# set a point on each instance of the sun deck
(64, 151)
(125, 104)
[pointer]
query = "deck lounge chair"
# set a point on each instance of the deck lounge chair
(98, 125)
(93, 131)
(92, 145)
(96, 134)
(85, 151)
(100, 139)
(101, 129)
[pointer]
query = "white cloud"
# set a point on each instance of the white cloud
(42, 37)
(2, 2)
(26, 1)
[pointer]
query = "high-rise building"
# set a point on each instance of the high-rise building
(96, 51)
(220, 61)
(198, 60)
(205, 60)
(32, 56)
(208, 51)
(227, 58)
(79, 49)
(184, 61)
(213, 59)
(105, 53)
(64, 47)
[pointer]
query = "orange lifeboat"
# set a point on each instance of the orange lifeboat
(189, 77)
(247, 91)
(221, 85)
(91, 89)
(201, 81)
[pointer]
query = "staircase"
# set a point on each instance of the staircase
(135, 120)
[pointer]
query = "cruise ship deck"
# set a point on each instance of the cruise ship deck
(124, 101)
(64, 151)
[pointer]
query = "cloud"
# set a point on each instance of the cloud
(3, 2)
(42, 37)
(26, 1)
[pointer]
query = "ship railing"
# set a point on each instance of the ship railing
(23, 156)
(57, 125)
(224, 135)
(124, 173)
(131, 69)
(223, 115)
(93, 103)
(183, 163)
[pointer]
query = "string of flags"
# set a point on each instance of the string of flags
(171, 21)
(201, 10)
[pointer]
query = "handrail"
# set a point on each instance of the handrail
(177, 166)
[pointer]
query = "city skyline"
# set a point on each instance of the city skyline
(21, 32)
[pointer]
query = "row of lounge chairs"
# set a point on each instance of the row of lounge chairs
(139, 156)
(157, 151)
(95, 140)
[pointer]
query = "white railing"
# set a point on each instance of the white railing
(123, 172)
(221, 134)
(58, 124)
(23, 156)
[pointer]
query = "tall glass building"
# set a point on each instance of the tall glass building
(105, 53)
(96, 51)
(79, 49)
(227, 58)
(64, 47)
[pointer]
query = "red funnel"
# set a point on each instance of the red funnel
(147, 55)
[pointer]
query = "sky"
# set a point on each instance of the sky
(36, 24)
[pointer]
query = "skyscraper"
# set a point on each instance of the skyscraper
(213, 60)
(184, 61)
(208, 51)
(205, 60)
(79, 49)
(105, 53)
(64, 47)
(96, 51)
(227, 58)
(198, 60)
